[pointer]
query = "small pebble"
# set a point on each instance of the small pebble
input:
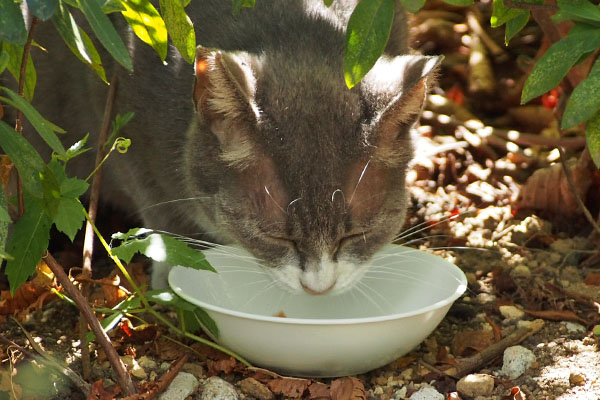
(573, 327)
(476, 385)
(133, 367)
(194, 369)
(484, 298)
(181, 387)
(576, 379)
(216, 388)
(516, 360)
(520, 272)
(400, 393)
(147, 363)
(427, 393)
(511, 313)
(254, 388)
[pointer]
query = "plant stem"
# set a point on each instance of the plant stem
(20, 92)
(152, 311)
(122, 375)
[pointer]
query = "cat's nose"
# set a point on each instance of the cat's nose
(317, 292)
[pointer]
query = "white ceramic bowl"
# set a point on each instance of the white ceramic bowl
(397, 304)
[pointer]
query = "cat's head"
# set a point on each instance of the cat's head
(305, 174)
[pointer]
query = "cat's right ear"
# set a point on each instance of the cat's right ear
(224, 98)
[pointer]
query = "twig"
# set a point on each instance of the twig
(50, 362)
(475, 26)
(118, 366)
(88, 242)
(20, 92)
(466, 365)
(162, 384)
(586, 212)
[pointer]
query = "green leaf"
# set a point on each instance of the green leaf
(592, 134)
(105, 32)
(557, 61)
(366, 37)
(43, 9)
(14, 67)
(502, 14)
(584, 101)
(328, 3)
(69, 216)
(159, 247)
(207, 322)
(147, 24)
(27, 160)
(131, 303)
(580, 9)
(180, 28)
(27, 243)
(4, 60)
(239, 4)
(43, 127)
(12, 26)
(413, 5)
(75, 150)
(73, 187)
(5, 221)
(596, 330)
(78, 41)
(514, 25)
(50, 191)
(191, 312)
(112, 6)
(460, 2)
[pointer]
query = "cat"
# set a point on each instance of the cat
(259, 143)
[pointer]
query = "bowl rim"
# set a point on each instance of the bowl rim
(460, 290)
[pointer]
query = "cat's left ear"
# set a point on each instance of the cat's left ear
(400, 85)
(224, 98)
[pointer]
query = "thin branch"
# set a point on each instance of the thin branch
(123, 377)
(88, 242)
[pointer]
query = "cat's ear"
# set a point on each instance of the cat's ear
(400, 85)
(224, 98)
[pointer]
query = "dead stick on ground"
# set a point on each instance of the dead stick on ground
(50, 362)
(162, 384)
(118, 366)
(466, 365)
(88, 242)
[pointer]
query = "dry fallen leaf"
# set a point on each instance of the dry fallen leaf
(289, 387)
(319, 391)
(475, 341)
(548, 189)
(350, 388)
(100, 393)
(225, 366)
(30, 294)
(592, 279)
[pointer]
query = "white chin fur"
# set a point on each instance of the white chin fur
(341, 275)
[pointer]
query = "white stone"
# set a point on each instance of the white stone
(181, 387)
(135, 368)
(427, 393)
(511, 313)
(516, 360)
(476, 385)
(216, 388)
(572, 327)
